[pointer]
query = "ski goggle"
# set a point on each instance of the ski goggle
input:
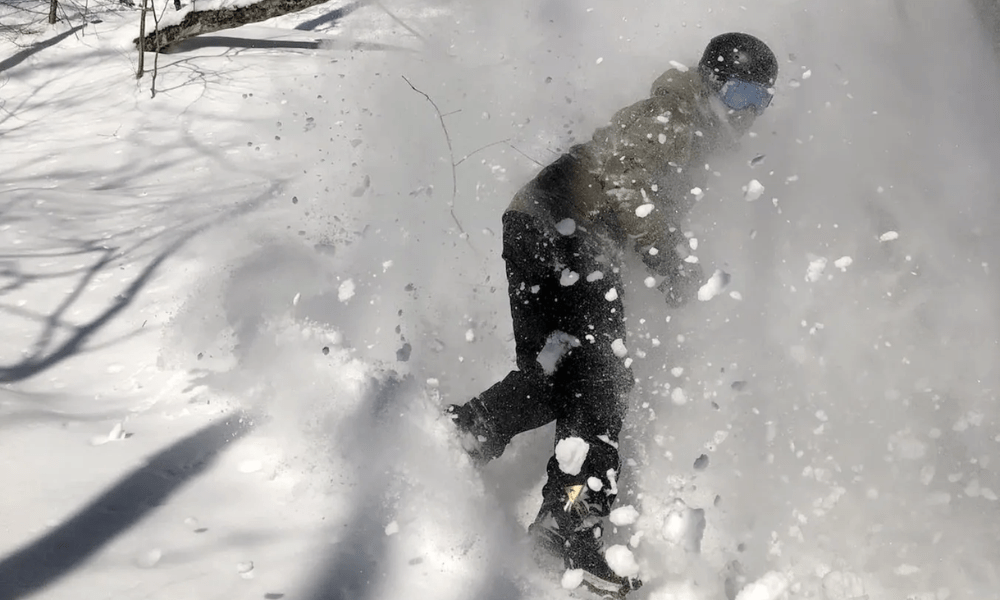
(738, 94)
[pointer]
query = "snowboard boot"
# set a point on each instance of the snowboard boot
(477, 436)
(570, 528)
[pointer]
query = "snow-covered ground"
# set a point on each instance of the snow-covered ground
(208, 300)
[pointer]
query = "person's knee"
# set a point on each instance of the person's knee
(618, 377)
(528, 363)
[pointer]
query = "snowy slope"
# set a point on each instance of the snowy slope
(208, 297)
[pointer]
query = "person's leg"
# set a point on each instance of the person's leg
(593, 384)
(521, 401)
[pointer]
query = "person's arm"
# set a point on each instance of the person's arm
(645, 141)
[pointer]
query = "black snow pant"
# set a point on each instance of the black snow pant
(563, 297)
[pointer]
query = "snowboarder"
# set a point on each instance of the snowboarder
(564, 235)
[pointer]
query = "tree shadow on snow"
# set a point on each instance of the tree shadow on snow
(356, 563)
(18, 58)
(237, 43)
(43, 355)
(59, 337)
(209, 41)
(18, 408)
(66, 547)
(331, 17)
(359, 562)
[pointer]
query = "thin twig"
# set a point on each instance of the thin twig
(478, 150)
(515, 148)
(451, 158)
(65, 15)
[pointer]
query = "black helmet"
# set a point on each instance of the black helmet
(740, 56)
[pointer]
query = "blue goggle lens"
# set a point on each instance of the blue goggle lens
(738, 95)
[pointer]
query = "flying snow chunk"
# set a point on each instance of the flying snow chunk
(927, 474)
(570, 454)
(595, 484)
(683, 526)
(245, 569)
(714, 286)
(346, 290)
(622, 561)
(618, 347)
(908, 446)
(678, 396)
(816, 268)
(643, 210)
(625, 515)
(556, 346)
(649, 282)
(679, 66)
(888, 236)
(568, 277)
(566, 227)
(392, 528)
(572, 579)
(470, 335)
(843, 262)
(753, 190)
(612, 295)
(771, 586)
(595, 276)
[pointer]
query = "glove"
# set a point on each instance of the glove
(682, 284)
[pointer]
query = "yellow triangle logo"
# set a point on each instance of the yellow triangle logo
(572, 494)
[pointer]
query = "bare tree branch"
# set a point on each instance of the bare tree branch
(516, 149)
(451, 159)
(478, 150)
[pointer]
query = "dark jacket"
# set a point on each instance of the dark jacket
(630, 186)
